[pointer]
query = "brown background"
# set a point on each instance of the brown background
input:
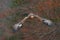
(12, 12)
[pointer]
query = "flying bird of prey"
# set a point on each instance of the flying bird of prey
(17, 26)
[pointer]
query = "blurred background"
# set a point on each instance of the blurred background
(13, 11)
